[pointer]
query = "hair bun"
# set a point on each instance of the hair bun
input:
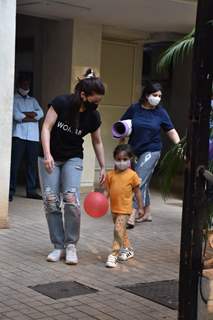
(89, 74)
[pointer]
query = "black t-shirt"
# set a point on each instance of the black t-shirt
(66, 140)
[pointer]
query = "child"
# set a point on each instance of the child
(121, 184)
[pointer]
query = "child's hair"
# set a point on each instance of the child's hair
(123, 147)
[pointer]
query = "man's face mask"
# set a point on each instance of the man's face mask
(23, 92)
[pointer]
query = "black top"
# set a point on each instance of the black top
(66, 140)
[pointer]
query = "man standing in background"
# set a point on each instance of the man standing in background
(25, 141)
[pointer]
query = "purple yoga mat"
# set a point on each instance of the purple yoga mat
(121, 129)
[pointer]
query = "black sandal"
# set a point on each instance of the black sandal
(130, 226)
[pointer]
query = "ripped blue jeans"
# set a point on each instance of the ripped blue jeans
(145, 167)
(61, 192)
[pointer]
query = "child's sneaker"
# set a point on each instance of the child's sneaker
(126, 254)
(112, 261)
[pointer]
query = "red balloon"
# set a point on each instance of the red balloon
(96, 204)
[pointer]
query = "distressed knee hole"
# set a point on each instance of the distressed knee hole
(71, 198)
(51, 200)
(79, 167)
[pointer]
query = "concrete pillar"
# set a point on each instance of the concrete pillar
(7, 54)
(86, 52)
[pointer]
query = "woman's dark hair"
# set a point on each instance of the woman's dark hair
(150, 88)
(90, 84)
(123, 147)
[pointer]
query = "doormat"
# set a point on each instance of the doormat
(162, 292)
(63, 289)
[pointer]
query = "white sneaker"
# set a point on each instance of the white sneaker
(126, 254)
(71, 254)
(56, 255)
(112, 261)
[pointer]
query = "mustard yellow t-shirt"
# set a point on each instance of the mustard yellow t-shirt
(120, 185)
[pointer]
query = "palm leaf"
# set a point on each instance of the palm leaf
(176, 52)
(170, 165)
(211, 166)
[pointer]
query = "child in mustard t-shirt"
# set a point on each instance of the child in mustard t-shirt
(122, 184)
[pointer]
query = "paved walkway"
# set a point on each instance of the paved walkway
(22, 264)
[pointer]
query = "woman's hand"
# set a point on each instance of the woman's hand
(48, 124)
(102, 176)
(49, 163)
(99, 151)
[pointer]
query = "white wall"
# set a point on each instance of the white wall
(7, 54)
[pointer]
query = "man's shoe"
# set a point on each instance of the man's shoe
(56, 255)
(35, 196)
(71, 254)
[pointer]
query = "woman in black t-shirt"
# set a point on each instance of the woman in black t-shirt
(69, 119)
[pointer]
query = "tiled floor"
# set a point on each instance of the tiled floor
(25, 245)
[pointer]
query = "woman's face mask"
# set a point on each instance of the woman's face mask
(154, 100)
(91, 106)
(91, 102)
(122, 165)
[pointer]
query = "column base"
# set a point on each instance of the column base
(86, 189)
(4, 223)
